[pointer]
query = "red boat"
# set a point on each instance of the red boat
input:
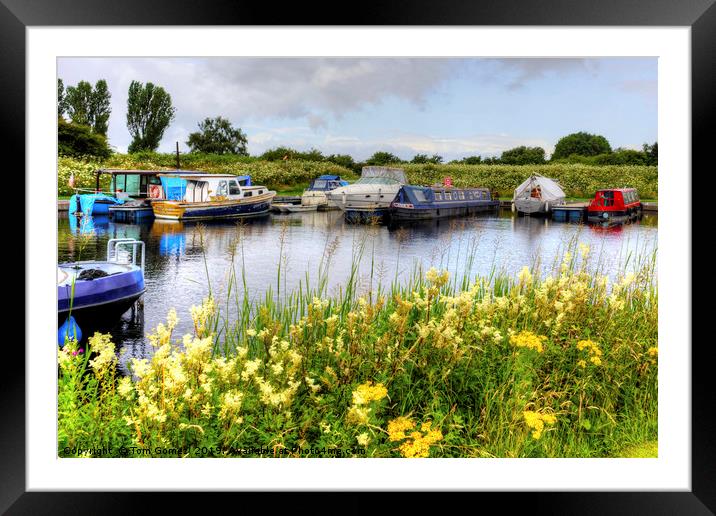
(615, 206)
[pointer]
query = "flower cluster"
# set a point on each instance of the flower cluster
(536, 421)
(593, 352)
(417, 443)
(363, 396)
(529, 340)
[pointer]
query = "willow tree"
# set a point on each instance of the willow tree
(149, 113)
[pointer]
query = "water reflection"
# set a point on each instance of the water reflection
(184, 260)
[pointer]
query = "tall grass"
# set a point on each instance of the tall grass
(444, 364)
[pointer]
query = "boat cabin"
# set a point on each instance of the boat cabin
(136, 184)
(615, 199)
(418, 195)
(209, 187)
(326, 183)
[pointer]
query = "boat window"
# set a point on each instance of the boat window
(234, 188)
(419, 195)
(438, 196)
(119, 182)
(222, 188)
(248, 194)
(376, 181)
(154, 180)
(132, 184)
(319, 184)
(260, 192)
(243, 182)
(462, 195)
(448, 196)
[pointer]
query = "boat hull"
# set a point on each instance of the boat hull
(612, 216)
(407, 213)
(536, 206)
(174, 210)
(100, 301)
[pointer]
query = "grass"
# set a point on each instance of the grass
(443, 364)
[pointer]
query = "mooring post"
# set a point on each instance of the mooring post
(177, 155)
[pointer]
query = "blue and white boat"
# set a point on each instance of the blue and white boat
(433, 202)
(97, 293)
(211, 196)
(315, 194)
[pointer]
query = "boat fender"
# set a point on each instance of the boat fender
(546, 206)
(513, 207)
(68, 331)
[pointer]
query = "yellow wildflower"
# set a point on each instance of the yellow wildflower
(527, 339)
(363, 439)
(537, 421)
(367, 392)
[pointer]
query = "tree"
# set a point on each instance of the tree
(78, 100)
(88, 106)
(218, 136)
(344, 160)
(523, 156)
(470, 160)
(149, 113)
(581, 144)
(100, 108)
(79, 140)
(424, 158)
(381, 158)
(279, 153)
(61, 100)
(652, 153)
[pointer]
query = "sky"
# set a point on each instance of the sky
(407, 106)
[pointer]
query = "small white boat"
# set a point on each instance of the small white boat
(293, 208)
(317, 190)
(371, 195)
(281, 207)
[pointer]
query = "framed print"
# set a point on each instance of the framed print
(431, 235)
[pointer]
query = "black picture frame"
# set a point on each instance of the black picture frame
(699, 15)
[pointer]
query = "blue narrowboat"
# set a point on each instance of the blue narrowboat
(432, 202)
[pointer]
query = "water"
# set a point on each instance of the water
(177, 264)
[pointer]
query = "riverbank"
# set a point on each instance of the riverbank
(578, 181)
(442, 365)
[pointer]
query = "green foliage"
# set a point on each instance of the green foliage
(78, 140)
(382, 158)
(286, 153)
(88, 106)
(344, 160)
(149, 113)
(424, 158)
(501, 366)
(469, 160)
(61, 99)
(652, 153)
(523, 156)
(218, 136)
(577, 180)
(582, 144)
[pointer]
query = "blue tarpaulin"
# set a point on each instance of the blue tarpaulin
(86, 202)
(174, 188)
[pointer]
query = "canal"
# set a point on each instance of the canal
(184, 260)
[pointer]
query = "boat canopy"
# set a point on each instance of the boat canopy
(86, 202)
(396, 174)
(540, 187)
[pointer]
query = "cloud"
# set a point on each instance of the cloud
(249, 90)
(519, 71)
(404, 146)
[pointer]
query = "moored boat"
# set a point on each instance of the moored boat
(614, 206)
(369, 198)
(212, 196)
(537, 195)
(432, 202)
(315, 194)
(96, 293)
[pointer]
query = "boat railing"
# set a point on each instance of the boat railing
(131, 247)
